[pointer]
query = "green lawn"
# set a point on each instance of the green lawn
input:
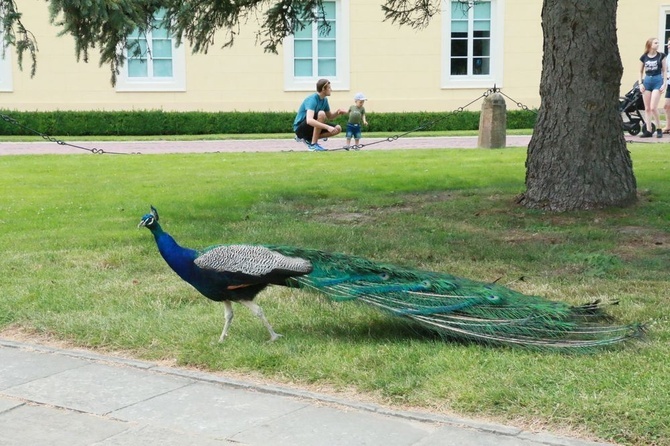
(75, 267)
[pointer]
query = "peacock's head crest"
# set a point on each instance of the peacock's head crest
(150, 220)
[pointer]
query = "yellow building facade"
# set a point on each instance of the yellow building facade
(465, 50)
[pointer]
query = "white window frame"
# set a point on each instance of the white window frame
(663, 13)
(177, 82)
(339, 82)
(497, 36)
(6, 80)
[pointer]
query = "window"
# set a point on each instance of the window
(153, 61)
(314, 53)
(665, 30)
(472, 47)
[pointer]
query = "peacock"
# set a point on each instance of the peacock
(451, 306)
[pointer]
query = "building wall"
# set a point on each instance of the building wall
(633, 33)
(398, 68)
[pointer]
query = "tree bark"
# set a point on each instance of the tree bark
(577, 157)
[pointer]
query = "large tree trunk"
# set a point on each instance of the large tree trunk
(577, 157)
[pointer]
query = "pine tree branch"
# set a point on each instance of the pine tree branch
(415, 13)
(106, 24)
(14, 33)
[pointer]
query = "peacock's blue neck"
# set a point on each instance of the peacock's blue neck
(180, 259)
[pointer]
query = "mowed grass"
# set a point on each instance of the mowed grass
(75, 267)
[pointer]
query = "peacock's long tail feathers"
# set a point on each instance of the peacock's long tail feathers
(461, 308)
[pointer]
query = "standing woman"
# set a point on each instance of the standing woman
(652, 85)
(666, 129)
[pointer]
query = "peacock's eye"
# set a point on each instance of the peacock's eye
(426, 283)
(493, 298)
(385, 276)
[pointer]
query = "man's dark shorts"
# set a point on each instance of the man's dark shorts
(305, 131)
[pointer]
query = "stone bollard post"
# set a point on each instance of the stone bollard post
(493, 122)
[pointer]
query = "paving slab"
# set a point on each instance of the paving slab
(150, 435)
(210, 409)
(466, 436)
(41, 425)
(7, 404)
(452, 436)
(322, 425)
(20, 367)
(96, 388)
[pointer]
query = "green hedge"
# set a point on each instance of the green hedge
(156, 122)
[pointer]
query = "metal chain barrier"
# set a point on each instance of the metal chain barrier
(421, 127)
(518, 104)
(46, 137)
(424, 126)
(524, 107)
(433, 122)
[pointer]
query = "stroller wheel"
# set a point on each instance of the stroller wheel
(634, 129)
(644, 129)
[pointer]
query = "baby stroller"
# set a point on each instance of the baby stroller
(630, 106)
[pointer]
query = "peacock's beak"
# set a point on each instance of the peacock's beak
(142, 223)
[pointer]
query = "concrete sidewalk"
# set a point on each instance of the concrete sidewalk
(262, 145)
(55, 397)
(242, 145)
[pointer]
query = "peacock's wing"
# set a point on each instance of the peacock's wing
(250, 264)
(458, 307)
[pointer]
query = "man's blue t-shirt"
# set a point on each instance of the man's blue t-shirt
(311, 102)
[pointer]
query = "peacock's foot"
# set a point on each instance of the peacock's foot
(275, 336)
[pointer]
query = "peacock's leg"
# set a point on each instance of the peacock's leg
(228, 317)
(258, 311)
